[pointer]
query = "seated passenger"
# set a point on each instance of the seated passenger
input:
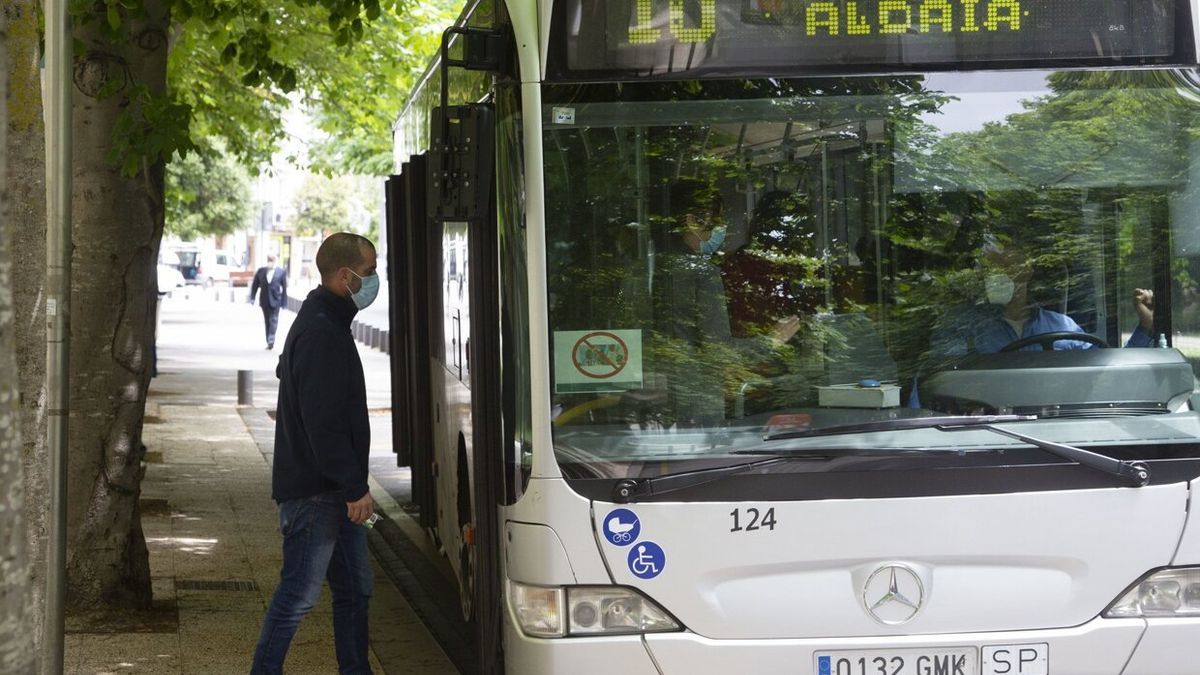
(688, 284)
(690, 343)
(1011, 314)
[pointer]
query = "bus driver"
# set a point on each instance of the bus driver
(1010, 314)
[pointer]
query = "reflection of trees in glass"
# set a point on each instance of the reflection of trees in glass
(1084, 174)
(1084, 181)
(614, 249)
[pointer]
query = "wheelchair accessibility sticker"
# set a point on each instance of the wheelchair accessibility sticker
(647, 560)
(621, 527)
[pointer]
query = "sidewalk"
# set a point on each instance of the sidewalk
(209, 522)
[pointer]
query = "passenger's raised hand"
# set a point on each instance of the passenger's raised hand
(1143, 304)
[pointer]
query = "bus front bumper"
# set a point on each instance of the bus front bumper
(1099, 647)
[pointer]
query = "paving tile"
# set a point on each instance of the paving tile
(212, 568)
(71, 653)
(249, 602)
(217, 642)
(162, 587)
(149, 653)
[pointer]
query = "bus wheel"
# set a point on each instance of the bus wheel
(466, 531)
(466, 567)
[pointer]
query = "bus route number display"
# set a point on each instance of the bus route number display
(656, 37)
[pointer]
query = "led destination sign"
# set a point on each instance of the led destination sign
(849, 18)
(664, 37)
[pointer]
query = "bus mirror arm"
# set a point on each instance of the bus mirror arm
(482, 49)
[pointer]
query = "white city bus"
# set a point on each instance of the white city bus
(811, 337)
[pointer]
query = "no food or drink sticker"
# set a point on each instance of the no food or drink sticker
(597, 360)
(600, 355)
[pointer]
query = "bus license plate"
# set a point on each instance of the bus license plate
(931, 661)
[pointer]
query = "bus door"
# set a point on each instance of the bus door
(408, 251)
(461, 193)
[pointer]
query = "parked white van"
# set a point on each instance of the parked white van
(205, 266)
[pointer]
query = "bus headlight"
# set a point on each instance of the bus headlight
(605, 610)
(586, 610)
(1169, 592)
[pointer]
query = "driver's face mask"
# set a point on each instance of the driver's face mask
(999, 288)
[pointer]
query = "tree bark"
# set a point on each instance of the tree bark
(25, 214)
(118, 223)
(16, 653)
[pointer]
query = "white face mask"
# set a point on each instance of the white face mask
(999, 289)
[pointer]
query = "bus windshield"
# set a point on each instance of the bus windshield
(728, 260)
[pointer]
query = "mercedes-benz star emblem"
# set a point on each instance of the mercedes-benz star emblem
(893, 594)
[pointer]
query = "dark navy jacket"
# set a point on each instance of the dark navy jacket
(322, 434)
(274, 289)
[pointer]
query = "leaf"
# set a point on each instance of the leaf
(114, 17)
(288, 82)
(229, 53)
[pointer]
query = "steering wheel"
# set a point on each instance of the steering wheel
(1047, 340)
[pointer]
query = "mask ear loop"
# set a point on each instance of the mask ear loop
(348, 281)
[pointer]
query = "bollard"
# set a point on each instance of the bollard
(245, 387)
(374, 337)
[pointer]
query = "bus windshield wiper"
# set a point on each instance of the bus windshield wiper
(631, 489)
(1136, 472)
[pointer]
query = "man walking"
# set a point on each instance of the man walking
(319, 477)
(273, 282)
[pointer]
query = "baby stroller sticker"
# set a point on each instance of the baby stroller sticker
(621, 527)
(647, 560)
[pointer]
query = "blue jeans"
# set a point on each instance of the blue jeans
(319, 543)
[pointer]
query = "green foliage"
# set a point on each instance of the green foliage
(366, 85)
(235, 67)
(208, 193)
(152, 128)
(322, 205)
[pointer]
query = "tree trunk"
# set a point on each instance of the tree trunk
(118, 223)
(16, 653)
(25, 213)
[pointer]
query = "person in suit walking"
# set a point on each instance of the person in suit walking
(273, 282)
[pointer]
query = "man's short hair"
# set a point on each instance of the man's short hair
(342, 249)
